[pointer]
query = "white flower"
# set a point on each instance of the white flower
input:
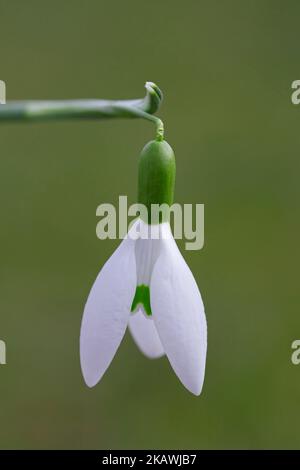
(168, 316)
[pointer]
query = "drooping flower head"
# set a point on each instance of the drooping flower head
(147, 285)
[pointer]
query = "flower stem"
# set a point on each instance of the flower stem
(28, 111)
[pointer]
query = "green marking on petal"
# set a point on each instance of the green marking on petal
(142, 297)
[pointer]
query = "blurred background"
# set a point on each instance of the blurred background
(226, 69)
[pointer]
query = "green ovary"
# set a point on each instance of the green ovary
(156, 178)
(142, 297)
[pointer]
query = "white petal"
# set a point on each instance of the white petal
(178, 313)
(106, 312)
(144, 333)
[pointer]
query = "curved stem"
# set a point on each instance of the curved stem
(87, 109)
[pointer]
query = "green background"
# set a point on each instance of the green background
(226, 69)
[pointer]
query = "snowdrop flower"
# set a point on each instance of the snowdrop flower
(147, 285)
